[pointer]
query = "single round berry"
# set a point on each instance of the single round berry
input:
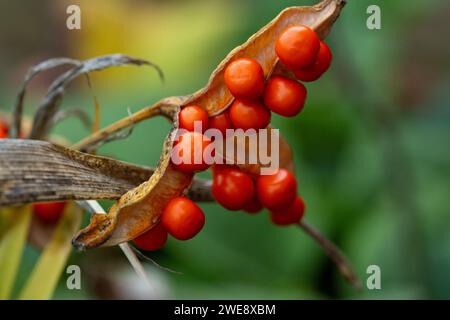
(291, 215)
(276, 191)
(254, 206)
(221, 122)
(3, 129)
(189, 152)
(318, 68)
(49, 212)
(153, 239)
(297, 47)
(245, 78)
(189, 115)
(232, 188)
(182, 218)
(246, 114)
(284, 96)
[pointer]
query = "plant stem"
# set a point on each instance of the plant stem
(165, 108)
(334, 253)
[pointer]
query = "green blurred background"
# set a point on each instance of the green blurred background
(371, 146)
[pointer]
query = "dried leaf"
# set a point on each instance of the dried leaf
(54, 95)
(32, 72)
(38, 171)
(62, 115)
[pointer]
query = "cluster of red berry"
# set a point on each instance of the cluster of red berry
(299, 49)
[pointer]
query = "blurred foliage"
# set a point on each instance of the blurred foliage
(370, 146)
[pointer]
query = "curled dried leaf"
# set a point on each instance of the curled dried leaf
(53, 98)
(32, 72)
(62, 115)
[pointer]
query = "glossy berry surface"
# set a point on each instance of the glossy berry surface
(189, 152)
(232, 188)
(153, 239)
(284, 96)
(318, 68)
(49, 212)
(246, 114)
(297, 47)
(182, 218)
(221, 122)
(190, 114)
(3, 129)
(291, 215)
(254, 206)
(276, 191)
(245, 78)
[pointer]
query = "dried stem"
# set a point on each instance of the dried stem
(334, 253)
(97, 137)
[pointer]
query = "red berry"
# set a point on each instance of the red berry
(3, 129)
(49, 212)
(276, 191)
(221, 122)
(189, 154)
(246, 114)
(318, 68)
(293, 214)
(254, 206)
(245, 78)
(232, 188)
(182, 218)
(153, 239)
(297, 47)
(284, 96)
(190, 114)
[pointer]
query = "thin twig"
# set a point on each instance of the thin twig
(32, 72)
(135, 263)
(156, 264)
(93, 207)
(97, 137)
(53, 98)
(334, 253)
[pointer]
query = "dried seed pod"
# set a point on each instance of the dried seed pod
(140, 208)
